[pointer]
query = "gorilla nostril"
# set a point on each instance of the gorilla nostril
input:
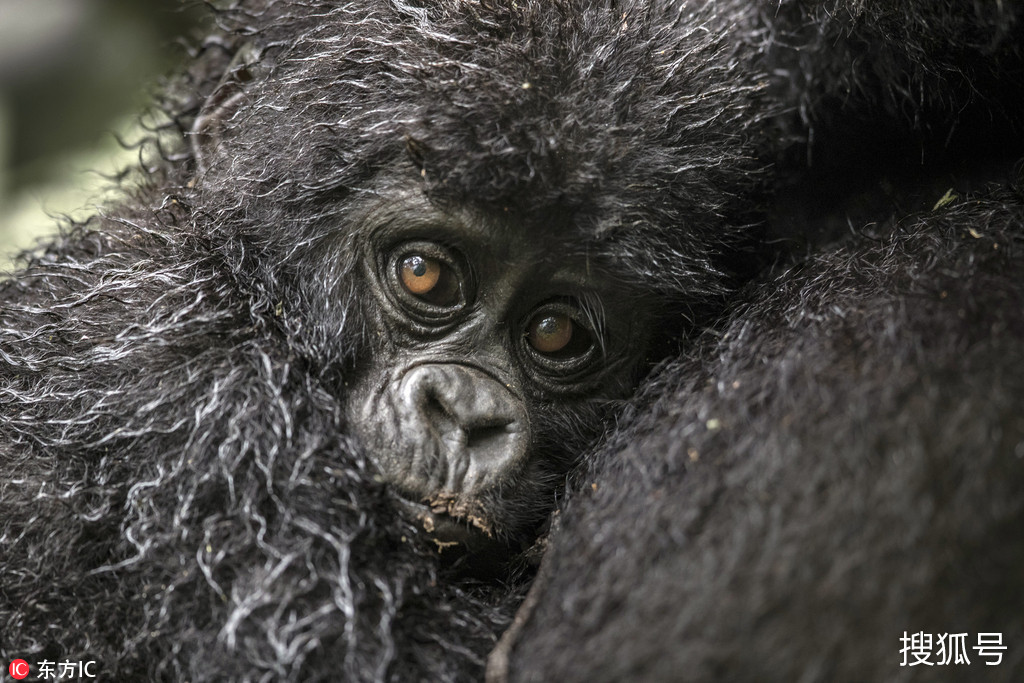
(489, 439)
(434, 410)
(438, 419)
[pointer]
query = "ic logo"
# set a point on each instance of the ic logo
(19, 669)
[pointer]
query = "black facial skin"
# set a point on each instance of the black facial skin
(499, 349)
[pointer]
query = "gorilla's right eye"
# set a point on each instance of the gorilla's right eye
(420, 274)
(427, 278)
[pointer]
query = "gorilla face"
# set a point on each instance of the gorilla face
(502, 205)
(496, 343)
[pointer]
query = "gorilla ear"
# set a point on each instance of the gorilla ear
(220, 106)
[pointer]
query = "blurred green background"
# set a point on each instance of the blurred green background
(73, 73)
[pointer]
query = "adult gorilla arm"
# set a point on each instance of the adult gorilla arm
(841, 461)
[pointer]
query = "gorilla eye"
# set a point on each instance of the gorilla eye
(429, 279)
(554, 333)
(420, 275)
(550, 333)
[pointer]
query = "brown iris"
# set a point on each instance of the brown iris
(429, 279)
(420, 274)
(549, 333)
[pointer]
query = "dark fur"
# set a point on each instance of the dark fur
(842, 458)
(923, 79)
(840, 462)
(180, 500)
(886, 106)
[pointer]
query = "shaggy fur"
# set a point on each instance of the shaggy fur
(838, 463)
(180, 498)
(840, 459)
(923, 79)
(886, 106)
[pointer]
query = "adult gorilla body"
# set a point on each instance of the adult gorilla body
(840, 463)
(183, 498)
(840, 460)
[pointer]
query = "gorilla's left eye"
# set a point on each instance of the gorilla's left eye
(550, 333)
(555, 333)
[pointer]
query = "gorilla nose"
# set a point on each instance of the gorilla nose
(479, 426)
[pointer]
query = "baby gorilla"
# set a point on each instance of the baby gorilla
(498, 349)
(391, 256)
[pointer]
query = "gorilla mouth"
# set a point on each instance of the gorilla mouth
(447, 505)
(453, 522)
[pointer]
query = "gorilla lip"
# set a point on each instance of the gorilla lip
(450, 506)
(450, 521)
